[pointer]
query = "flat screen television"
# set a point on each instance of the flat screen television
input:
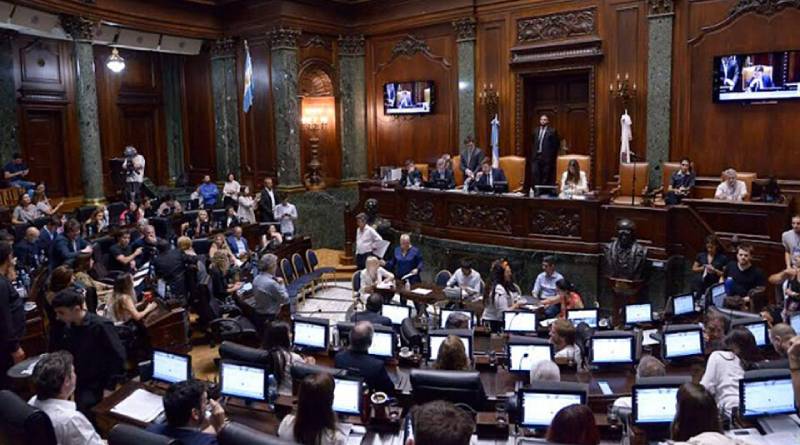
(770, 76)
(416, 97)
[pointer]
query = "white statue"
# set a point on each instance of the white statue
(626, 135)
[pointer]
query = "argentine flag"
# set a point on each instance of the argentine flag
(495, 142)
(247, 100)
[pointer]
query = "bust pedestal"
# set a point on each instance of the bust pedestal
(625, 292)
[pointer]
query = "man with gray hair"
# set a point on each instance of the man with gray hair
(269, 290)
(731, 189)
(357, 360)
(649, 366)
(545, 371)
(779, 335)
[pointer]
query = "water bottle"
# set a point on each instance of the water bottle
(272, 391)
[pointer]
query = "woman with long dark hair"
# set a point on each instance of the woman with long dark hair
(696, 413)
(121, 306)
(725, 368)
(278, 342)
(452, 355)
(500, 295)
(315, 422)
(681, 183)
(574, 425)
(573, 181)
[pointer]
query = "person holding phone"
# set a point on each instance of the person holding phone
(192, 418)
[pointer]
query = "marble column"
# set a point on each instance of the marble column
(173, 112)
(286, 110)
(352, 93)
(8, 100)
(465, 39)
(226, 106)
(82, 32)
(659, 85)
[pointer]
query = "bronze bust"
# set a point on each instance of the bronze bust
(625, 257)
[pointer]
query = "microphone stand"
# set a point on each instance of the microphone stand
(634, 159)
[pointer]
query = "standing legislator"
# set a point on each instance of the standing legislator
(542, 156)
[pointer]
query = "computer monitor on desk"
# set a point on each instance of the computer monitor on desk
(588, 316)
(396, 313)
(613, 348)
(794, 321)
(169, 367)
(638, 313)
(310, 333)
(654, 402)
(681, 341)
(757, 327)
(347, 393)
(766, 392)
(524, 352)
(436, 338)
(539, 403)
(242, 381)
(384, 342)
(683, 304)
(519, 322)
(716, 295)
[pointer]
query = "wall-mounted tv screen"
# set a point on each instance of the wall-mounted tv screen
(757, 77)
(408, 97)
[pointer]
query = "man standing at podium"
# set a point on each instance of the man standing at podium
(542, 157)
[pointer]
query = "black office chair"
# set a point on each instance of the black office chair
(781, 363)
(229, 350)
(237, 434)
(162, 226)
(201, 246)
(114, 210)
(454, 386)
(124, 434)
(84, 212)
(409, 334)
(22, 424)
(302, 370)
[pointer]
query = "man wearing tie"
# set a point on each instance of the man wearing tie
(542, 159)
(68, 245)
(486, 178)
(471, 158)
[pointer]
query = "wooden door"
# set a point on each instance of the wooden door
(564, 98)
(42, 141)
(140, 129)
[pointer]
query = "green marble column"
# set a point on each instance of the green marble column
(173, 112)
(8, 100)
(286, 109)
(659, 85)
(226, 106)
(82, 31)
(465, 38)
(352, 92)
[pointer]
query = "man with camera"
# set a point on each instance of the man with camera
(133, 166)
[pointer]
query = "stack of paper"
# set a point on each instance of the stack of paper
(142, 405)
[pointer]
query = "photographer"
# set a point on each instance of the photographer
(133, 166)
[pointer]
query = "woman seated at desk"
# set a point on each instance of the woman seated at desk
(374, 275)
(315, 421)
(199, 228)
(220, 245)
(573, 181)
(681, 183)
(501, 295)
(121, 307)
(708, 266)
(278, 343)
(452, 356)
(222, 283)
(566, 298)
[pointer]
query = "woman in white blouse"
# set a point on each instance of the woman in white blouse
(366, 240)
(374, 275)
(246, 212)
(725, 368)
(573, 181)
(501, 295)
(230, 191)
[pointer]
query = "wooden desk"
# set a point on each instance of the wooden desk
(168, 329)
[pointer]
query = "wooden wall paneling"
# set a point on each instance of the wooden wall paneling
(256, 127)
(392, 139)
(198, 110)
(44, 81)
(491, 67)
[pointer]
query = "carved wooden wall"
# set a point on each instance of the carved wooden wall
(198, 123)
(48, 135)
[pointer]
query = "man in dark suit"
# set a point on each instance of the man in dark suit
(373, 312)
(543, 154)
(27, 249)
(471, 158)
(48, 234)
(237, 242)
(68, 245)
(356, 359)
(487, 177)
(266, 201)
(442, 177)
(411, 177)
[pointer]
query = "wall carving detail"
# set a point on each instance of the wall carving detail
(420, 211)
(317, 41)
(661, 6)
(283, 38)
(409, 46)
(766, 7)
(561, 222)
(351, 45)
(225, 47)
(557, 26)
(480, 217)
(465, 29)
(78, 28)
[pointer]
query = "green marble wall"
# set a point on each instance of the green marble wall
(171, 65)
(659, 83)
(88, 127)
(287, 114)
(8, 101)
(321, 215)
(466, 89)
(226, 107)
(352, 91)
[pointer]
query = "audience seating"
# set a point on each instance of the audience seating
(622, 193)
(457, 174)
(442, 277)
(22, 424)
(514, 168)
(456, 386)
(124, 434)
(201, 246)
(9, 197)
(355, 282)
(584, 161)
(313, 263)
(237, 434)
(114, 210)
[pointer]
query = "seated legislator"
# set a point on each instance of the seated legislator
(573, 181)
(315, 422)
(200, 228)
(681, 183)
(715, 327)
(96, 224)
(121, 307)
(406, 261)
(779, 336)
(725, 368)
(54, 379)
(356, 359)
(566, 298)
(83, 265)
(500, 295)
(231, 220)
(697, 418)
(574, 424)
(223, 282)
(545, 371)
(278, 343)
(372, 313)
(731, 189)
(272, 239)
(648, 366)
(442, 177)
(487, 177)
(374, 275)
(68, 245)
(220, 245)
(27, 250)
(457, 320)
(742, 279)
(172, 265)
(185, 407)
(170, 206)
(238, 243)
(471, 158)
(411, 177)
(269, 291)
(93, 342)
(123, 257)
(440, 423)
(131, 215)
(708, 266)
(562, 337)
(544, 287)
(467, 278)
(452, 356)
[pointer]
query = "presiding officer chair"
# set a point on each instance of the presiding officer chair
(514, 168)
(584, 162)
(457, 174)
(123, 434)
(423, 170)
(22, 424)
(622, 193)
(747, 178)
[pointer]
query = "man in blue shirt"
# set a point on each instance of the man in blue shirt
(14, 171)
(209, 192)
(186, 405)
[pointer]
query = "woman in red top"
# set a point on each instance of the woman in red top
(568, 298)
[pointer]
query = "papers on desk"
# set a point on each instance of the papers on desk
(380, 247)
(386, 285)
(647, 339)
(142, 405)
(421, 291)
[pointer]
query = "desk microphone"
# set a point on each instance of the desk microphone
(524, 356)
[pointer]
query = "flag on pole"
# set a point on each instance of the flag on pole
(495, 142)
(247, 99)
